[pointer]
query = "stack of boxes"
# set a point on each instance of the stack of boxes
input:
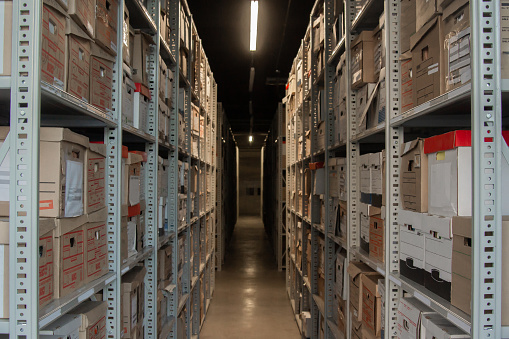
(338, 192)
(72, 228)
(435, 49)
(339, 102)
(162, 194)
(340, 295)
(195, 129)
(133, 302)
(371, 209)
(368, 77)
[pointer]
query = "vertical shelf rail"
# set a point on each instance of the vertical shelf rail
(152, 150)
(219, 187)
(393, 142)
(112, 292)
(173, 191)
(281, 256)
(487, 163)
(24, 165)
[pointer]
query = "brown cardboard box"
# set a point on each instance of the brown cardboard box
(141, 52)
(356, 324)
(101, 78)
(123, 238)
(362, 60)
(83, 13)
(321, 285)
(77, 61)
(53, 44)
(414, 176)
(371, 304)
(96, 247)
(93, 319)
(427, 58)
(62, 160)
(46, 264)
(377, 237)
(106, 12)
(406, 24)
(6, 22)
(95, 178)
(407, 87)
(134, 162)
(425, 10)
(456, 63)
(132, 284)
(70, 248)
(356, 270)
(462, 265)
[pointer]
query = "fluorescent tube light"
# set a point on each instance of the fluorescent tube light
(250, 138)
(254, 24)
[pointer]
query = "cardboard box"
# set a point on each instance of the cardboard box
(134, 162)
(462, 265)
(410, 314)
(141, 54)
(46, 264)
(96, 246)
(163, 77)
(83, 13)
(319, 181)
(67, 326)
(319, 32)
(95, 177)
(456, 63)
(101, 78)
(411, 248)
(362, 60)
(6, 22)
(77, 61)
(342, 122)
(132, 297)
(425, 10)
(70, 242)
(164, 262)
(375, 167)
(436, 326)
(356, 270)
(381, 290)
(341, 276)
(93, 319)
(142, 99)
(371, 316)
(414, 176)
(320, 136)
(407, 87)
(379, 49)
(364, 98)
(62, 158)
(106, 12)
(53, 44)
(427, 55)
(377, 236)
(406, 24)
(128, 89)
(123, 238)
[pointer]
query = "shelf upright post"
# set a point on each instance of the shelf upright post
(393, 141)
(215, 190)
(330, 245)
(352, 153)
(24, 169)
(487, 164)
(113, 141)
(281, 253)
(152, 150)
(173, 168)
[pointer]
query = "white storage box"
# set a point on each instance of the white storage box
(128, 89)
(142, 99)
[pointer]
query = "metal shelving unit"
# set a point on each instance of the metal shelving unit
(34, 103)
(446, 112)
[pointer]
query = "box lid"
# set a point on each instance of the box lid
(91, 312)
(357, 267)
(454, 6)
(55, 5)
(4, 231)
(65, 225)
(98, 216)
(447, 141)
(442, 226)
(141, 88)
(99, 52)
(411, 145)
(363, 36)
(419, 35)
(371, 283)
(98, 148)
(72, 28)
(56, 134)
(410, 218)
(134, 158)
(133, 278)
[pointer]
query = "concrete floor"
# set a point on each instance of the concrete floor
(250, 300)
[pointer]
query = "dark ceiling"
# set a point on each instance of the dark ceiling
(223, 26)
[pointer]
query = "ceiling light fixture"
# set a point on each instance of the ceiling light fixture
(250, 138)
(254, 24)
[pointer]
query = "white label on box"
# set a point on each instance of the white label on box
(134, 190)
(438, 179)
(73, 188)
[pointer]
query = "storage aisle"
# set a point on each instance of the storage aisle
(250, 299)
